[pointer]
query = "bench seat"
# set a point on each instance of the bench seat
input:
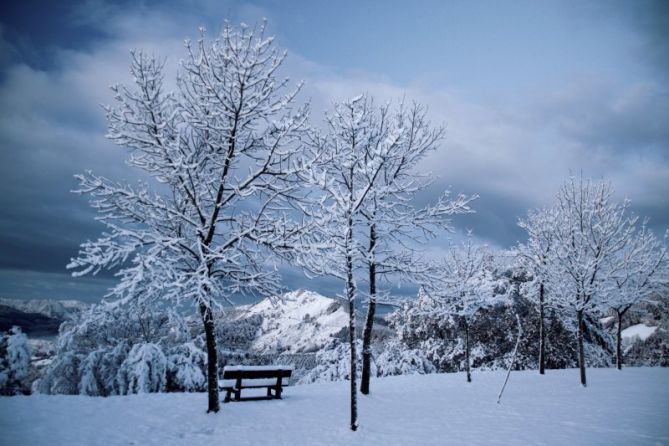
(248, 383)
(236, 378)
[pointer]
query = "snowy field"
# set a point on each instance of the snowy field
(618, 408)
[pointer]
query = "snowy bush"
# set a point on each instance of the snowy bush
(91, 382)
(185, 368)
(99, 371)
(114, 351)
(334, 363)
(61, 376)
(14, 363)
(396, 359)
(144, 370)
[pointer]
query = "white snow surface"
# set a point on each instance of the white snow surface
(641, 331)
(626, 407)
(303, 321)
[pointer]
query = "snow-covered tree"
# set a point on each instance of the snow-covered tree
(590, 230)
(535, 256)
(466, 286)
(220, 154)
(641, 272)
(394, 225)
(350, 154)
(14, 362)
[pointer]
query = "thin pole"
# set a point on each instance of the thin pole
(513, 359)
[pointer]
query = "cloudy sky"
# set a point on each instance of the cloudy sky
(530, 91)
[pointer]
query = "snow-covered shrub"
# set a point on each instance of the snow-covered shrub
(91, 382)
(427, 334)
(14, 363)
(99, 370)
(144, 370)
(396, 359)
(334, 363)
(61, 376)
(185, 368)
(110, 364)
(113, 350)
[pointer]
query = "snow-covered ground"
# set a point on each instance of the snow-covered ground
(628, 407)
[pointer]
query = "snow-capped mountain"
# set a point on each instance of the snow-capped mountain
(296, 322)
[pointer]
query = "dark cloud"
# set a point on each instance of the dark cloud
(26, 284)
(658, 218)
(38, 29)
(603, 116)
(651, 19)
(647, 19)
(494, 220)
(294, 278)
(47, 136)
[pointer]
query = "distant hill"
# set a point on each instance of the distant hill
(38, 317)
(58, 309)
(34, 324)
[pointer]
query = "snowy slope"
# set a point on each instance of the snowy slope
(638, 331)
(300, 321)
(617, 408)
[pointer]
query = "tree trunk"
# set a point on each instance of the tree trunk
(354, 368)
(619, 355)
(366, 347)
(581, 352)
(369, 322)
(212, 358)
(350, 294)
(469, 374)
(619, 338)
(542, 334)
